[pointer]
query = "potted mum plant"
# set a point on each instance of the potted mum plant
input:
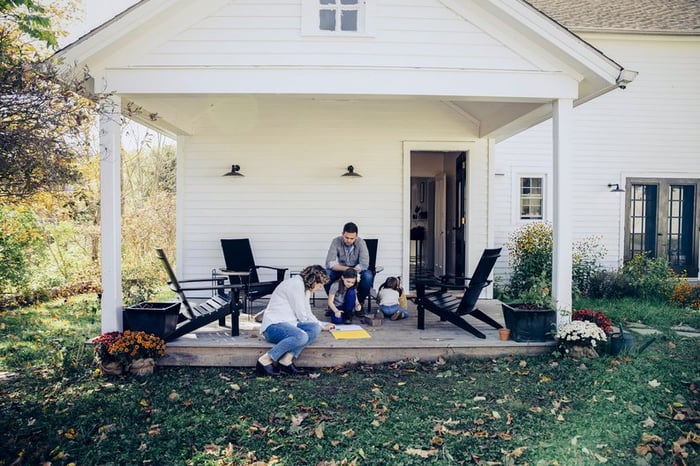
(580, 338)
(137, 351)
(109, 365)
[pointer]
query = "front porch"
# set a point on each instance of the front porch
(392, 341)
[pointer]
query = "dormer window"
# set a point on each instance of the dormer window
(351, 17)
(339, 15)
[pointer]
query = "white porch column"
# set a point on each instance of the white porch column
(110, 216)
(561, 252)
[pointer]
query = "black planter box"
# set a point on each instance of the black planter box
(529, 325)
(157, 318)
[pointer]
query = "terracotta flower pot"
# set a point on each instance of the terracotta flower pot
(504, 334)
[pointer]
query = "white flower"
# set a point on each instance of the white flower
(581, 332)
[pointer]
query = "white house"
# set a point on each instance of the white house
(644, 140)
(414, 95)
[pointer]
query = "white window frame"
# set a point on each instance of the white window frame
(365, 19)
(517, 197)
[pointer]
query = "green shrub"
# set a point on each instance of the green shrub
(530, 256)
(139, 285)
(609, 284)
(20, 240)
(586, 258)
(530, 259)
(651, 278)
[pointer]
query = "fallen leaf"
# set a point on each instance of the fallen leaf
(211, 449)
(421, 453)
(318, 431)
(654, 383)
(650, 438)
(349, 433)
(648, 422)
(518, 452)
(173, 396)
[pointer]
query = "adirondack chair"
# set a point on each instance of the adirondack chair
(435, 296)
(217, 307)
(241, 269)
(372, 247)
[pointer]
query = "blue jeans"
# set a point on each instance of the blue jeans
(363, 288)
(289, 338)
(393, 309)
(348, 308)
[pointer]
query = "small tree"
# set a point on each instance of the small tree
(44, 125)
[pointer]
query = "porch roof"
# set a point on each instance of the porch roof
(538, 61)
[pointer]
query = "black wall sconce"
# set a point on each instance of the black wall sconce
(616, 188)
(235, 171)
(351, 172)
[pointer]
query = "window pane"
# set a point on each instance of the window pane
(327, 20)
(348, 21)
(327, 2)
(348, 2)
(531, 201)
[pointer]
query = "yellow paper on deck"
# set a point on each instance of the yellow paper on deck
(349, 332)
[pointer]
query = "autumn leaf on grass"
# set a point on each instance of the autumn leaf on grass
(654, 383)
(154, 429)
(422, 453)
(318, 431)
(349, 433)
(211, 449)
(517, 453)
(648, 422)
(298, 419)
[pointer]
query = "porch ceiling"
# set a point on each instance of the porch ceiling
(177, 114)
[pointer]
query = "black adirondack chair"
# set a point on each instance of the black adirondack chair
(372, 247)
(435, 296)
(238, 256)
(217, 307)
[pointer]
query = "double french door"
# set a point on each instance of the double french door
(662, 220)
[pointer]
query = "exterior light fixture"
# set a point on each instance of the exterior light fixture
(235, 171)
(616, 188)
(351, 172)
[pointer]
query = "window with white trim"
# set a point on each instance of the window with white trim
(336, 16)
(531, 198)
(339, 15)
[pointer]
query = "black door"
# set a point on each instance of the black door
(460, 213)
(661, 221)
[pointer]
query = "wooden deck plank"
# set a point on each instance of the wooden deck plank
(393, 341)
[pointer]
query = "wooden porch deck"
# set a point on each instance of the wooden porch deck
(392, 341)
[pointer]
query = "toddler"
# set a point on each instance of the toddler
(388, 298)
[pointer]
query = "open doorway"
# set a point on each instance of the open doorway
(437, 213)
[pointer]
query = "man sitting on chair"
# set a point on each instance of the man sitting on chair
(348, 251)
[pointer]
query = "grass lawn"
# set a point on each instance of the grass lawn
(636, 409)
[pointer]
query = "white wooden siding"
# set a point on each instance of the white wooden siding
(421, 33)
(293, 200)
(649, 129)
